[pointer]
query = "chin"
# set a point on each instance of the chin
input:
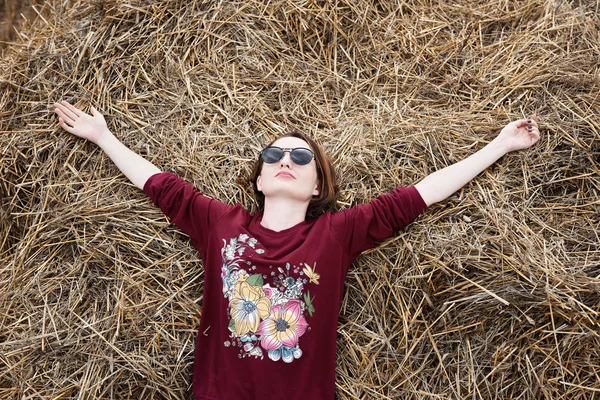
(286, 194)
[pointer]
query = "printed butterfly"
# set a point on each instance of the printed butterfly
(310, 272)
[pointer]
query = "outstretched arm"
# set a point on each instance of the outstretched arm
(93, 127)
(441, 184)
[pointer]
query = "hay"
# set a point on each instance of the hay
(494, 293)
(13, 15)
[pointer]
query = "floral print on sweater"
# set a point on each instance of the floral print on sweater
(264, 319)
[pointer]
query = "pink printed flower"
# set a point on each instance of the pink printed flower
(283, 327)
(268, 291)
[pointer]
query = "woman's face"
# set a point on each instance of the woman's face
(285, 179)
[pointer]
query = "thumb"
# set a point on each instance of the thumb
(95, 112)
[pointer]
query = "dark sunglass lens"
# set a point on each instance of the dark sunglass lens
(271, 155)
(301, 156)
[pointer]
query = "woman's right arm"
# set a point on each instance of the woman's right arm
(93, 127)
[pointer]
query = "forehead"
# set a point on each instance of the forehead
(290, 142)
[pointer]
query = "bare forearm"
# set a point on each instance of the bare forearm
(133, 166)
(441, 184)
(94, 128)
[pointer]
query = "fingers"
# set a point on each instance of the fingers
(64, 116)
(526, 122)
(76, 111)
(532, 125)
(73, 113)
(532, 122)
(534, 135)
(532, 129)
(65, 126)
(67, 112)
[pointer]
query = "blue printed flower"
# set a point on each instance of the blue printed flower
(287, 354)
(289, 282)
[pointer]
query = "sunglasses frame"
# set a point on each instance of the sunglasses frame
(287, 150)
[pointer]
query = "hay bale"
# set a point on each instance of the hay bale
(492, 294)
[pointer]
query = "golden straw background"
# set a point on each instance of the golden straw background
(494, 293)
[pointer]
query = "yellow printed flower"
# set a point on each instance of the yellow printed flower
(243, 276)
(248, 307)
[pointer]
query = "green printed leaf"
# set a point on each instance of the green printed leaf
(255, 280)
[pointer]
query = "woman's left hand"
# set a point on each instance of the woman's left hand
(520, 134)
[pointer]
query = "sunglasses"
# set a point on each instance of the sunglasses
(299, 155)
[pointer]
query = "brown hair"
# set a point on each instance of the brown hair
(328, 186)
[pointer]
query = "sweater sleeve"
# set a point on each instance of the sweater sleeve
(185, 206)
(364, 226)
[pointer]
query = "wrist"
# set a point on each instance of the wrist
(500, 145)
(104, 137)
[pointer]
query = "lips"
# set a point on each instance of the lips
(285, 174)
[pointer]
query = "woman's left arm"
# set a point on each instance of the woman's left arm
(441, 184)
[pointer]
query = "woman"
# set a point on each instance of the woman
(274, 280)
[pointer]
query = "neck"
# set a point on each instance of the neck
(280, 214)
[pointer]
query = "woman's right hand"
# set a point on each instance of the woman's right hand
(75, 121)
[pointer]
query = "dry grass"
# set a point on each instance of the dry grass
(493, 294)
(14, 14)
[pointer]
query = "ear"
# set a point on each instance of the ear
(259, 184)
(316, 190)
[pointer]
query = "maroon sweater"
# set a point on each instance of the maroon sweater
(271, 299)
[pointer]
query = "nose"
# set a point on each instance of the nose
(286, 159)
